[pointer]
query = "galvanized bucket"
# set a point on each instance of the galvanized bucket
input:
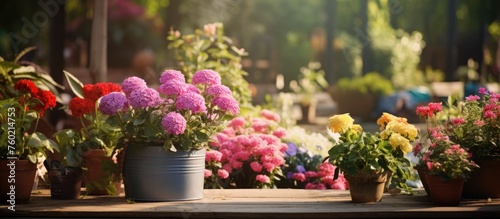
(153, 174)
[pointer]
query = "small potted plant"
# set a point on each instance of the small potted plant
(358, 96)
(22, 143)
(366, 159)
(98, 138)
(311, 81)
(65, 175)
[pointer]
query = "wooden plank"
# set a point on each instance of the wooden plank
(251, 203)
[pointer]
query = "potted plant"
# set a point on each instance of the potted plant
(358, 96)
(98, 138)
(311, 81)
(65, 175)
(473, 124)
(366, 159)
(166, 132)
(22, 144)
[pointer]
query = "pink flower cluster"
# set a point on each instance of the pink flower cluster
(253, 144)
(321, 179)
(430, 110)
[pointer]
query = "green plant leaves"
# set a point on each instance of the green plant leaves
(75, 84)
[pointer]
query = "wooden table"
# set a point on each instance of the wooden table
(255, 203)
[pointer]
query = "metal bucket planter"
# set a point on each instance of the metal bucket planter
(152, 174)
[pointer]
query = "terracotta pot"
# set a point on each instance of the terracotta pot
(65, 184)
(445, 192)
(17, 174)
(483, 182)
(365, 188)
(422, 173)
(94, 178)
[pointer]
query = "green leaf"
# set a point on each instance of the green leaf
(24, 52)
(75, 84)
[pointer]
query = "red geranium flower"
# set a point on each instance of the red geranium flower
(80, 106)
(26, 85)
(47, 100)
(95, 91)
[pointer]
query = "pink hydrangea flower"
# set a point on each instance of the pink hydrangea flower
(206, 76)
(191, 101)
(174, 123)
(256, 166)
(213, 155)
(193, 89)
(112, 103)
(237, 123)
(268, 114)
(170, 74)
(279, 132)
(260, 125)
(222, 173)
(173, 88)
(262, 178)
(218, 89)
(299, 177)
(207, 173)
(132, 84)
(144, 97)
(227, 103)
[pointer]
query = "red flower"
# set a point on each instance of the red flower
(80, 107)
(47, 100)
(25, 85)
(94, 92)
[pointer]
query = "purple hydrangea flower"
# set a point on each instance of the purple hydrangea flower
(170, 74)
(132, 83)
(145, 97)
(174, 123)
(206, 76)
(112, 103)
(191, 101)
(173, 88)
(289, 175)
(218, 89)
(227, 103)
(292, 150)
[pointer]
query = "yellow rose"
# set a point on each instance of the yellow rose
(396, 140)
(406, 148)
(387, 117)
(340, 123)
(407, 130)
(357, 129)
(385, 134)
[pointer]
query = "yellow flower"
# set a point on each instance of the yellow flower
(387, 117)
(396, 140)
(385, 134)
(340, 123)
(407, 130)
(356, 128)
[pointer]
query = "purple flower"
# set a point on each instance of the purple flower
(301, 169)
(170, 74)
(174, 123)
(227, 103)
(206, 76)
(112, 103)
(292, 150)
(173, 88)
(218, 89)
(144, 97)
(191, 101)
(132, 84)
(289, 175)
